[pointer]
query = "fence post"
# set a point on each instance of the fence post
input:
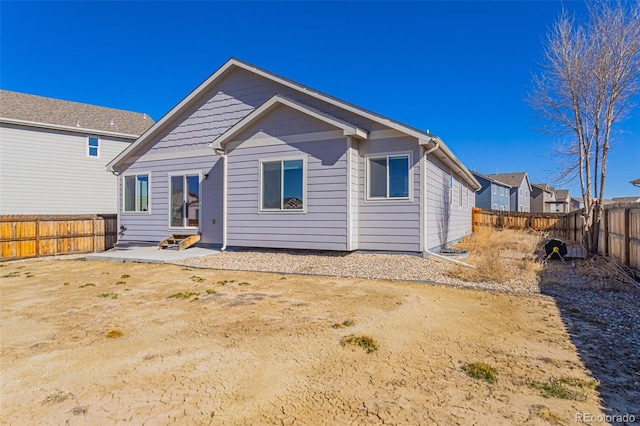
(37, 237)
(606, 232)
(627, 237)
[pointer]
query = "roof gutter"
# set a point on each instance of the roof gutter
(67, 128)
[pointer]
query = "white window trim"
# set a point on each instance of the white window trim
(388, 199)
(183, 173)
(304, 185)
(459, 194)
(98, 147)
(450, 188)
(148, 211)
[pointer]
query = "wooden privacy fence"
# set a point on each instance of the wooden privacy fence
(618, 237)
(619, 234)
(517, 220)
(24, 236)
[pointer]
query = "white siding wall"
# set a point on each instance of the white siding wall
(445, 222)
(49, 172)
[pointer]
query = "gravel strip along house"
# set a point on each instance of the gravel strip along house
(251, 159)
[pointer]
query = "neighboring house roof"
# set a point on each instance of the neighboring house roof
(562, 195)
(489, 179)
(444, 153)
(38, 111)
(635, 199)
(511, 179)
(543, 187)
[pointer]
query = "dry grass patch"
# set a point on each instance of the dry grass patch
(499, 255)
(481, 371)
(367, 343)
(114, 333)
(564, 388)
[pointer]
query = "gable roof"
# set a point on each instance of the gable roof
(562, 195)
(424, 138)
(543, 186)
(490, 179)
(512, 179)
(39, 111)
(274, 102)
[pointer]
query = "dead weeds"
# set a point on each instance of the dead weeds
(499, 255)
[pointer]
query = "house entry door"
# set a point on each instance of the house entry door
(185, 201)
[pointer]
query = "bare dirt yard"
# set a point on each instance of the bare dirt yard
(110, 343)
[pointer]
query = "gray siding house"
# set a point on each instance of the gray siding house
(494, 195)
(53, 154)
(251, 159)
(520, 193)
(543, 198)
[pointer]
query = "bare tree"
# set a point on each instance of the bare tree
(588, 82)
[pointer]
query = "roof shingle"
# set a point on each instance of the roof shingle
(58, 112)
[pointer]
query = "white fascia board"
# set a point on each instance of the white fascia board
(83, 130)
(275, 101)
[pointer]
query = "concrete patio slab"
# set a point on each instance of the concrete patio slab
(151, 254)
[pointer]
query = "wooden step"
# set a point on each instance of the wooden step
(180, 242)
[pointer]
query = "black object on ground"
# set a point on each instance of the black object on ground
(555, 249)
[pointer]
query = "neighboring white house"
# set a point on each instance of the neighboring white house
(252, 159)
(53, 154)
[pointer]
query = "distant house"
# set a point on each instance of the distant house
(53, 154)
(576, 203)
(562, 203)
(494, 195)
(520, 193)
(634, 199)
(276, 164)
(542, 197)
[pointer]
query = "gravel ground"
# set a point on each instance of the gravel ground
(403, 267)
(602, 317)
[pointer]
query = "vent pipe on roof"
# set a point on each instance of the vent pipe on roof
(78, 123)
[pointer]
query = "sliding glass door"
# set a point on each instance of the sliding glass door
(185, 201)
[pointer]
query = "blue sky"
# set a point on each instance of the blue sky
(459, 69)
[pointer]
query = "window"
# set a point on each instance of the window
(136, 193)
(495, 190)
(466, 198)
(495, 207)
(282, 185)
(459, 194)
(389, 177)
(93, 146)
(450, 189)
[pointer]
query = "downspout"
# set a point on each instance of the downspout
(223, 153)
(429, 151)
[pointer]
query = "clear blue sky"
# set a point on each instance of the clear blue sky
(459, 69)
